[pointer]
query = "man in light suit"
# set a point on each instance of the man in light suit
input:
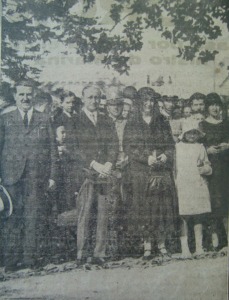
(99, 146)
(28, 157)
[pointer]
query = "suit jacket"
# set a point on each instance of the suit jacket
(98, 142)
(28, 152)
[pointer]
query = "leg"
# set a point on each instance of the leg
(215, 239)
(101, 230)
(12, 229)
(84, 204)
(198, 231)
(147, 249)
(184, 240)
(225, 223)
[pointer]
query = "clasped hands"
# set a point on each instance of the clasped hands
(104, 170)
(152, 160)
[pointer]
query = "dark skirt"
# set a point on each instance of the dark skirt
(154, 209)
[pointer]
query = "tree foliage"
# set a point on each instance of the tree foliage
(29, 26)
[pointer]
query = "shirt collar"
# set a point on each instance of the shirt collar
(89, 113)
(29, 113)
(67, 113)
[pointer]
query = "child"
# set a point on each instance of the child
(70, 179)
(192, 165)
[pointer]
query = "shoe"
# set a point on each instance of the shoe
(13, 268)
(98, 261)
(164, 254)
(147, 255)
(81, 261)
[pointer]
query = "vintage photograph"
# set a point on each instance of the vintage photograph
(114, 149)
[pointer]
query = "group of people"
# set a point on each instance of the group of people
(140, 169)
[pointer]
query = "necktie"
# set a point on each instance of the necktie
(26, 120)
(93, 118)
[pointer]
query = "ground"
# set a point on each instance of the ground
(129, 279)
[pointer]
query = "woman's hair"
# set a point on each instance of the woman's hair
(66, 94)
(211, 99)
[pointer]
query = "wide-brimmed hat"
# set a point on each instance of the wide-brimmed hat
(116, 101)
(128, 101)
(189, 125)
(6, 206)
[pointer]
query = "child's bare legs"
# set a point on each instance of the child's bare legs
(198, 231)
(147, 248)
(161, 246)
(184, 239)
(215, 239)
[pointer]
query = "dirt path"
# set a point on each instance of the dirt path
(183, 280)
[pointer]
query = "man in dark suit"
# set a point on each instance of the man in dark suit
(27, 169)
(98, 144)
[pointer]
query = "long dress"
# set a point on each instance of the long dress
(218, 181)
(192, 188)
(154, 205)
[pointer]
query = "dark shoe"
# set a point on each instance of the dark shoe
(13, 268)
(99, 261)
(81, 261)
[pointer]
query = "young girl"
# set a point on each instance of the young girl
(192, 165)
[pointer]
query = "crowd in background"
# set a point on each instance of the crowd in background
(145, 174)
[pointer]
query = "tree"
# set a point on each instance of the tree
(28, 27)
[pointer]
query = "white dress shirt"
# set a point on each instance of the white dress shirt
(92, 116)
(29, 114)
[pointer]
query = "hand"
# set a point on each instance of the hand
(103, 176)
(201, 170)
(224, 146)
(100, 168)
(162, 158)
(151, 160)
(62, 149)
(107, 168)
(52, 184)
(213, 150)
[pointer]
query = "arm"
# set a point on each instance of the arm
(204, 164)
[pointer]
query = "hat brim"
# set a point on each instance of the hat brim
(201, 133)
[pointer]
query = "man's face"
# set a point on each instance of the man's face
(91, 98)
(126, 110)
(115, 110)
(23, 97)
(198, 105)
(68, 104)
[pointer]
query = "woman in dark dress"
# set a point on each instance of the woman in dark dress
(151, 150)
(217, 143)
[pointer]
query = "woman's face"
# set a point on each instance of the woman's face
(214, 111)
(147, 105)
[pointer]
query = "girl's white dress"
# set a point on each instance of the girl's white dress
(192, 188)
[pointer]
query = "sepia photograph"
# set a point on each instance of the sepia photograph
(114, 149)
